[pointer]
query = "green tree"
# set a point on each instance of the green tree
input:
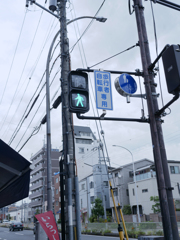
(127, 210)
(156, 207)
(97, 209)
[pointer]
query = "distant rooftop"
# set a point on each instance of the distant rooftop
(79, 129)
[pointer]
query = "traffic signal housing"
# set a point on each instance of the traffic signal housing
(78, 92)
(171, 62)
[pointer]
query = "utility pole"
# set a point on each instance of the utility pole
(160, 158)
(102, 187)
(68, 148)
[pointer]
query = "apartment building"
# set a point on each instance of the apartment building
(38, 177)
(86, 150)
(147, 186)
(94, 186)
(120, 178)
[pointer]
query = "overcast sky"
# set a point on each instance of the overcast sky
(26, 35)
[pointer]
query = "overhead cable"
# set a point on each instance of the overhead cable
(72, 48)
(22, 72)
(137, 44)
(13, 57)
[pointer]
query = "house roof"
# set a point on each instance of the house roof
(129, 164)
(78, 129)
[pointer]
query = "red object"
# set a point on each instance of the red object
(48, 223)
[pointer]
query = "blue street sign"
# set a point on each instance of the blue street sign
(103, 90)
(127, 84)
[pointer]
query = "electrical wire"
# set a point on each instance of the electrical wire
(35, 131)
(13, 56)
(72, 48)
(36, 111)
(22, 120)
(22, 71)
(156, 44)
(137, 44)
(129, 5)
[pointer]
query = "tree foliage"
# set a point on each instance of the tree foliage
(156, 207)
(97, 209)
(127, 210)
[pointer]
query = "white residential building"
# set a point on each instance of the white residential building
(147, 186)
(93, 186)
(86, 151)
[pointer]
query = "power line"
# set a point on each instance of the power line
(36, 110)
(22, 71)
(72, 48)
(13, 57)
(137, 44)
(33, 70)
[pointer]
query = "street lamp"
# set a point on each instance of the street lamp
(139, 219)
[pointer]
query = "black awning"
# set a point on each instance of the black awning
(14, 175)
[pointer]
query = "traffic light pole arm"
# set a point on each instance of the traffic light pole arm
(160, 111)
(168, 4)
(152, 65)
(141, 120)
(138, 73)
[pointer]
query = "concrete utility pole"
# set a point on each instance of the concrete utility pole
(102, 187)
(163, 178)
(68, 149)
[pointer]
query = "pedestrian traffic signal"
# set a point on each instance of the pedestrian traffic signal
(78, 92)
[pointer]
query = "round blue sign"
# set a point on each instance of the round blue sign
(125, 85)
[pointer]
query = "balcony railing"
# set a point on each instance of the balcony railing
(35, 203)
(145, 176)
(36, 194)
(35, 178)
(39, 167)
(36, 185)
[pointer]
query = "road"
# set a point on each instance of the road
(5, 234)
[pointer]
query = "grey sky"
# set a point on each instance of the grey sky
(101, 41)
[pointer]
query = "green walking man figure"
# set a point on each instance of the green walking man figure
(80, 99)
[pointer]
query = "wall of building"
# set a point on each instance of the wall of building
(38, 180)
(120, 179)
(148, 187)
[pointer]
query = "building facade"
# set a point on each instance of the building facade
(94, 186)
(147, 186)
(86, 151)
(38, 178)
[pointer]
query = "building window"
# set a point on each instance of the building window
(85, 134)
(83, 186)
(116, 174)
(91, 184)
(115, 192)
(92, 199)
(144, 190)
(105, 197)
(105, 183)
(56, 191)
(81, 203)
(131, 174)
(56, 180)
(174, 169)
(127, 192)
(81, 150)
(133, 192)
(83, 141)
(56, 203)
